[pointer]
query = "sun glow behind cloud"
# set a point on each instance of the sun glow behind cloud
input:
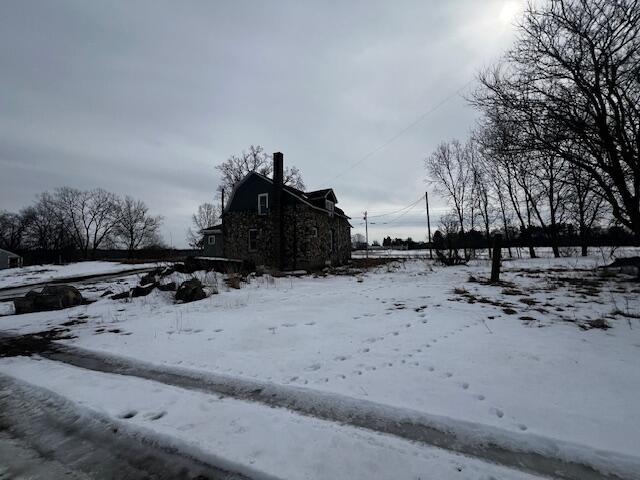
(510, 10)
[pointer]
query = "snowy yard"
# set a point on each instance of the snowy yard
(529, 359)
(16, 277)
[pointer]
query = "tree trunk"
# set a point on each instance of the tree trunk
(495, 262)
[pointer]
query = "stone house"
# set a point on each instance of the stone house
(268, 223)
(9, 259)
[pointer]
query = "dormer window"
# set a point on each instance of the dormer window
(263, 204)
(329, 205)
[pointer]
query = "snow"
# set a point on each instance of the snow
(260, 441)
(17, 277)
(408, 335)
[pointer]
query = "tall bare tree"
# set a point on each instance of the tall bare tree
(448, 170)
(135, 227)
(206, 216)
(481, 186)
(572, 78)
(255, 159)
(12, 230)
(90, 216)
(587, 206)
(46, 231)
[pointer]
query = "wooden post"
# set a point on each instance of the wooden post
(495, 261)
(366, 230)
(426, 197)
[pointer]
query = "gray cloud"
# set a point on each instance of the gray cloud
(145, 98)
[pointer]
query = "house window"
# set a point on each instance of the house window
(332, 243)
(263, 204)
(212, 239)
(329, 205)
(253, 240)
(313, 232)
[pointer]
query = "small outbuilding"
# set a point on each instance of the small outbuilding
(213, 246)
(9, 259)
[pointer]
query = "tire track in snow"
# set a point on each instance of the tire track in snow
(527, 452)
(88, 444)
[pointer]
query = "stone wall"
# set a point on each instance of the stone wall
(307, 238)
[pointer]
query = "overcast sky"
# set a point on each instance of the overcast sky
(146, 97)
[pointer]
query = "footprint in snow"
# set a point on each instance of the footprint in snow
(497, 412)
(449, 374)
(155, 415)
(464, 385)
(310, 323)
(522, 427)
(341, 358)
(128, 414)
(480, 397)
(313, 368)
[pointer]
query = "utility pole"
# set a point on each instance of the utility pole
(366, 230)
(426, 197)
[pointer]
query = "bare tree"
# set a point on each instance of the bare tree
(448, 170)
(12, 230)
(236, 167)
(90, 216)
(46, 231)
(572, 78)
(587, 206)
(481, 186)
(136, 228)
(206, 216)
(546, 189)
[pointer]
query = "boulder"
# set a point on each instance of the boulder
(148, 279)
(143, 290)
(120, 296)
(46, 302)
(69, 296)
(190, 291)
(24, 304)
(53, 297)
(168, 287)
(166, 271)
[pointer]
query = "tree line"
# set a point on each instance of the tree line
(80, 220)
(557, 145)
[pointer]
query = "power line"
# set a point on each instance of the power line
(397, 211)
(403, 131)
(390, 222)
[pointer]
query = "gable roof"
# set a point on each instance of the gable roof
(214, 229)
(10, 254)
(294, 192)
(327, 193)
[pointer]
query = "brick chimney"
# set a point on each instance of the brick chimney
(278, 168)
(277, 211)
